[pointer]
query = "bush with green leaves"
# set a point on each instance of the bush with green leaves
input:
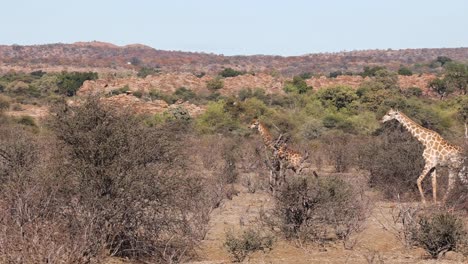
(145, 71)
(249, 241)
(216, 119)
(214, 84)
(296, 85)
(184, 94)
(338, 96)
(413, 91)
(456, 76)
(69, 82)
(335, 74)
(230, 72)
(441, 87)
(121, 90)
(155, 94)
(371, 71)
(404, 71)
(26, 121)
(439, 233)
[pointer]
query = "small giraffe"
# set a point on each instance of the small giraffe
(437, 151)
(294, 159)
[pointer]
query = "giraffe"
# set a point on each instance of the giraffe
(437, 151)
(294, 159)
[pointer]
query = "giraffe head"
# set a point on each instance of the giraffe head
(255, 123)
(391, 114)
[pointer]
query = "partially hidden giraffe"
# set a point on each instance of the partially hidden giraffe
(294, 159)
(437, 151)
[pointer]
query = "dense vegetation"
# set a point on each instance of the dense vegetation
(94, 181)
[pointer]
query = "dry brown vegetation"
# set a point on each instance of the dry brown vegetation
(104, 56)
(101, 184)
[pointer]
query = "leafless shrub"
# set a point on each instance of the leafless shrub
(439, 232)
(394, 160)
(436, 230)
(308, 208)
(458, 197)
(249, 241)
(135, 178)
(340, 150)
(404, 218)
(37, 225)
(373, 257)
(111, 186)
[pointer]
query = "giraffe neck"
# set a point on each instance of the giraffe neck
(267, 138)
(420, 133)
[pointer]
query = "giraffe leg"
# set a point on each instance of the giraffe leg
(426, 170)
(434, 185)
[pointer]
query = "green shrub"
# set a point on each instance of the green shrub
(138, 94)
(312, 129)
(69, 82)
(405, 71)
(229, 72)
(145, 71)
(215, 119)
(296, 85)
(371, 71)
(27, 121)
(337, 96)
(252, 108)
(248, 242)
(413, 91)
(121, 90)
(200, 75)
(306, 75)
(184, 94)
(214, 84)
(335, 74)
(439, 233)
(158, 95)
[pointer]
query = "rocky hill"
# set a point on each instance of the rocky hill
(100, 56)
(169, 82)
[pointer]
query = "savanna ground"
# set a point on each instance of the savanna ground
(88, 183)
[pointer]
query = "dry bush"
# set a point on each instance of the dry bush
(436, 230)
(37, 224)
(249, 241)
(458, 197)
(135, 178)
(439, 232)
(105, 185)
(308, 208)
(394, 160)
(341, 150)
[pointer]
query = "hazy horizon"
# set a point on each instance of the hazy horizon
(241, 27)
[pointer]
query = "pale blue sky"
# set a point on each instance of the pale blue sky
(276, 27)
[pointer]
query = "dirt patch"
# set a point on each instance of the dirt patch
(376, 244)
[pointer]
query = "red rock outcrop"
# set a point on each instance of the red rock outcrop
(135, 105)
(169, 82)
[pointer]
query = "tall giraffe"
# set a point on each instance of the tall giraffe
(294, 159)
(437, 151)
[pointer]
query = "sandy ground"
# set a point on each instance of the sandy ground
(377, 243)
